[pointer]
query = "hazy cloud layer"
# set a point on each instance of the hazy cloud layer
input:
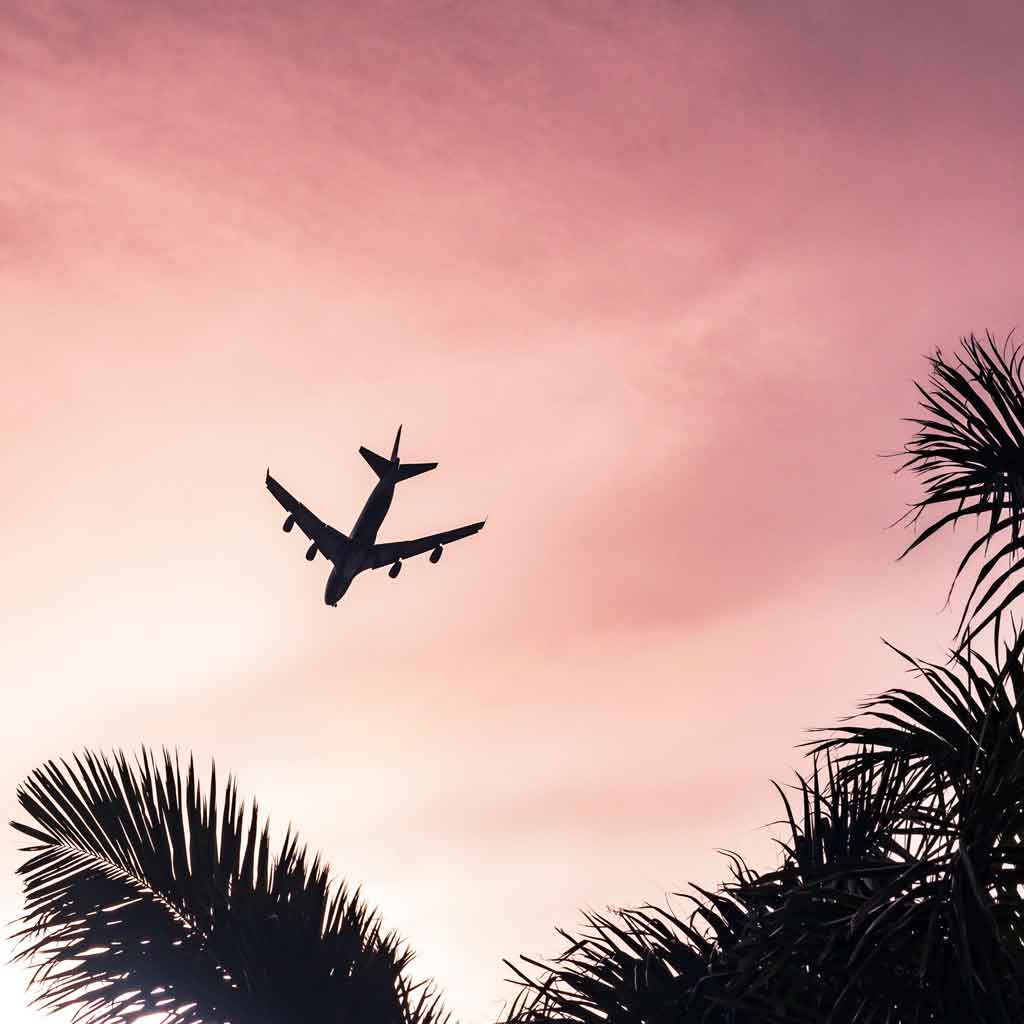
(650, 282)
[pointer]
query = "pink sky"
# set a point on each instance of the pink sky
(650, 281)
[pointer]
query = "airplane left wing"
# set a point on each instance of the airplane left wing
(327, 539)
(386, 554)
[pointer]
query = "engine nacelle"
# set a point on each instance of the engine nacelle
(288, 524)
(435, 555)
(395, 570)
(311, 553)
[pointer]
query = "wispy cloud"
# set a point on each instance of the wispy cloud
(650, 283)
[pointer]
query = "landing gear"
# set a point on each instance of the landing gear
(395, 569)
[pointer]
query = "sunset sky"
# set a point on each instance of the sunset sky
(650, 280)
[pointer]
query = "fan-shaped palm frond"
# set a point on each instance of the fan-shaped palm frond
(143, 896)
(969, 451)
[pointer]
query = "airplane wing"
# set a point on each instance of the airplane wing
(327, 539)
(385, 554)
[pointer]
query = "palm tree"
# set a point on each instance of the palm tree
(953, 910)
(144, 895)
(898, 896)
(969, 452)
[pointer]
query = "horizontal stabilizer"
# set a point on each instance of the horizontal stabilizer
(414, 469)
(377, 463)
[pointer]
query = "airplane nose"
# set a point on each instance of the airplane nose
(336, 587)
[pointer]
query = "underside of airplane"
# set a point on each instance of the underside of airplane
(353, 553)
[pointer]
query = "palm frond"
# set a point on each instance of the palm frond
(969, 452)
(897, 899)
(762, 948)
(957, 753)
(843, 848)
(642, 964)
(144, 895)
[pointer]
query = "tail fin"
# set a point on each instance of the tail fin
(384, 467)
(414, 469)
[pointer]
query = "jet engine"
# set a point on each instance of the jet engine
(395, 570)
(311, 553)
(435, 555)
(288, 524)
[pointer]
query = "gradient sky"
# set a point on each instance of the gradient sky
(650, 280)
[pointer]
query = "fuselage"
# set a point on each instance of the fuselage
(364, 533)
(356, 556)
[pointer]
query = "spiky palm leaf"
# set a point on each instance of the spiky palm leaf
(840, 851)
(895, 903)
(142, 896)
(763, 948)
(969, 452)
(956, 909)
(646, 964)
(899, 897)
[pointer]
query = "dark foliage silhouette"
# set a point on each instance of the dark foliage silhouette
(897, 900)
(898, 896)
(969, 453)
(143, 895)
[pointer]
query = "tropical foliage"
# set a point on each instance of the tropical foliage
(898, 896)
(144, 895)
(969, 453)
(897, 900)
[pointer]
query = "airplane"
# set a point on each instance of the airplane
(359, 551)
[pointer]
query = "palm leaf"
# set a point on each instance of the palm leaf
(958, 754)
(143, 896)
(898, 898)
(638, 964)
(762, 948)
(969, 453)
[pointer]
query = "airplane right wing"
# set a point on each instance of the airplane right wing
(385, 554)
(327, 539)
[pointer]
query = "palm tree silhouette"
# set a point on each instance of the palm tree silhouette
(898, 898)
(143, 896)
(969, 453)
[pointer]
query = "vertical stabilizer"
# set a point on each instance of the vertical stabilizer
(393, 468)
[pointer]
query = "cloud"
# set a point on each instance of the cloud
(650, 283)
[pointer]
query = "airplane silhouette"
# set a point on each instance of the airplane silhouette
(353, 554)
